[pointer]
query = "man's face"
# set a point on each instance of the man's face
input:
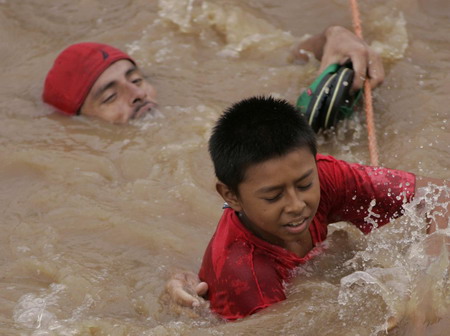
(279, 197)
(120, 94)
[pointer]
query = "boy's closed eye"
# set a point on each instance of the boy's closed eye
(272, 198)
(277, 196)
(305, 186)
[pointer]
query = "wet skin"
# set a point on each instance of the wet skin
(120, 94)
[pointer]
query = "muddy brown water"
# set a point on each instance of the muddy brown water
(95, 217)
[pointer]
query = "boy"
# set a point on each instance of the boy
(281, 196)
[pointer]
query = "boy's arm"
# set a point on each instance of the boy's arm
(438, 190)
(339, 45)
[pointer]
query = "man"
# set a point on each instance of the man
(100, 81)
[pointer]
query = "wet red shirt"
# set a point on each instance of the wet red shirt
(246, 274)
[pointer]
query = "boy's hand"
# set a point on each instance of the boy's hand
(186, 289)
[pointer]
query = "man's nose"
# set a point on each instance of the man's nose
(137, 94)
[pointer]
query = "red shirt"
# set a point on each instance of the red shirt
(245, 273)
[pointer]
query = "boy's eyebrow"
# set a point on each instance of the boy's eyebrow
(276, 187)
(112, 83)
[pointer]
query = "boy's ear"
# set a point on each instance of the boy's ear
(229, 196)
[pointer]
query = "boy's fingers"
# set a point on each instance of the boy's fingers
(186, 299)
(185, 289)
(201, 289)
(176, 291)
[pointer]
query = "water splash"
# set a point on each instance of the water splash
(32, 311)
(240, 29)
(412, 285)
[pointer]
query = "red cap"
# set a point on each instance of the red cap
(74, 73)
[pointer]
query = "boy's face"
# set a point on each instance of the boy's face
(120, 94)
(278, 198)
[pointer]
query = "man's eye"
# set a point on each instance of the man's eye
(109, 99)
(137, 81)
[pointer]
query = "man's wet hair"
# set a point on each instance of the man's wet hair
(255, 130)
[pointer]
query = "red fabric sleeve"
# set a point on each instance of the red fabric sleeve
(366, 196)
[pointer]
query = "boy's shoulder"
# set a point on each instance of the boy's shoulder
(328, 161)
(326, 158)
(330, 169)
(232, 243)
(228, 244)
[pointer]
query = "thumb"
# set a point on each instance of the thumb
(201, 289)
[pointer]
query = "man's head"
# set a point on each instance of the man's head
(98, 80)
(263, 152)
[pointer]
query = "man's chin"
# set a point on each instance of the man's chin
(151, 114)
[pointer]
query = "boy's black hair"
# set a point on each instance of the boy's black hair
(254, 130)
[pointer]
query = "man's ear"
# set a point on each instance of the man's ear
(228, 196)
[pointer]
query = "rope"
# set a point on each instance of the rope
(373, 148)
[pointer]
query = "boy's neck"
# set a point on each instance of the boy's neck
(301, 248)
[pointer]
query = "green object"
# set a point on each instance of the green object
(328, 100)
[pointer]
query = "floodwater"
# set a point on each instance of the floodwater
(95, 217)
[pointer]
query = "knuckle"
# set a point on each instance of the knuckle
(362, 50)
